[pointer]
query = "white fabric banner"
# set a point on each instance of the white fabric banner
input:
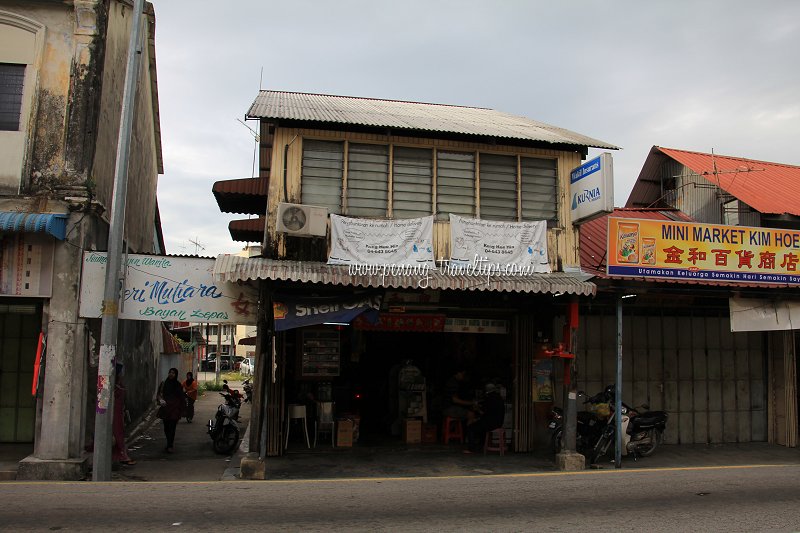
(510, 247)
(363, 241)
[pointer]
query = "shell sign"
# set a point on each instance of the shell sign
(711, 252)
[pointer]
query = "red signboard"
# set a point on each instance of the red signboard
(401, 322)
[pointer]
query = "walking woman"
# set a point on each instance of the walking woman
(190, 388)
(172, 401)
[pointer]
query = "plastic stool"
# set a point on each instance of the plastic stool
(452, 429)
(296, 412)
(488, 442)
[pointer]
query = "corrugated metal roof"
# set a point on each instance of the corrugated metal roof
(248, 230)
(593, 239)
(245, 196)
(772, 188)
(236, 268)
(53, 223)
(416, 116)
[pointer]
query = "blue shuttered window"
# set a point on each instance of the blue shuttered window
(12, 77)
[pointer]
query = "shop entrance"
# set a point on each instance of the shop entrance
(19, 330)
(383, 378)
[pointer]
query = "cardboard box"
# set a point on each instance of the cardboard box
(429, 434)
(344, 433)
(412, 431)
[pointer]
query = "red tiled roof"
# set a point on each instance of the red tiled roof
(766, 187)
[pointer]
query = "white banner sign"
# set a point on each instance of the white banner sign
(591, 187)
(363, 241)
(159, 288)
(511, 246)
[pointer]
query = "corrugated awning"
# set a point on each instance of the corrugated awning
(20, 221)
(228, 268)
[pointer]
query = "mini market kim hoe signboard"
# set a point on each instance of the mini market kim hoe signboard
(713, 252)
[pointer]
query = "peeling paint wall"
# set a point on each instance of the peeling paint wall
(143, 166)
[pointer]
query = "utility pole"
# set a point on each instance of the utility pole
(104, 410)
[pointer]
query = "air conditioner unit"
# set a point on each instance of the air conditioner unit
(302, 220)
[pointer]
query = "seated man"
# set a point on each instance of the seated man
(457, 400)
(493, 411)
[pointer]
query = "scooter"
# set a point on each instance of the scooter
(223, 428)
(641, 432)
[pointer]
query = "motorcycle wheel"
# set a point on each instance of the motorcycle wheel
(227, 439)
(655, 437)
(600, 448)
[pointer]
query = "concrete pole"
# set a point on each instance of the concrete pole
(104, 410)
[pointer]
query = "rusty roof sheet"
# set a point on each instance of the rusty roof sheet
(412, 116)
(593, 244)
(236, 268)
(247, 230)
(244, 196)
(772, 188)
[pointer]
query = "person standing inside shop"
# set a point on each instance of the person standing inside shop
(172, 401)
(190, 389)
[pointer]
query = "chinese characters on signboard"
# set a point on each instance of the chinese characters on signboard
(711, 252)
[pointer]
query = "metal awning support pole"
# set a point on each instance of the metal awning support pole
(618, 389)
(104, 409)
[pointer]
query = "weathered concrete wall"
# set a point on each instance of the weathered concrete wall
(143, 166)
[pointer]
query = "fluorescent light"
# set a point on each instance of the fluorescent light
(628, 296)
(336, 323)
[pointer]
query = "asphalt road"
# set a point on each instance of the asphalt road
(730, 499)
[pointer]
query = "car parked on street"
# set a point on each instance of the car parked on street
(248, 366)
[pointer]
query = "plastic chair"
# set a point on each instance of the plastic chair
(489, 445)
(325, 421)
(452, 429)
(296, 412)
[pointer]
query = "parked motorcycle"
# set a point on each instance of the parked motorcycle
(641, 432)
(590, 424)
(223, 428)
(596, 427)
(248, 391)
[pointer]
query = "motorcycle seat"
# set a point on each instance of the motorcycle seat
(650, 419)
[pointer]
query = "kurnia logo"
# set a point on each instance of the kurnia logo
(588, 195)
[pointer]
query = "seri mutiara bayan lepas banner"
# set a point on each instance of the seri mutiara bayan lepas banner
(689, 250)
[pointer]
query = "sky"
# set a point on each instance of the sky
(688, 74)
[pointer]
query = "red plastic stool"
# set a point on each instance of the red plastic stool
(452, 429)
(498, 434)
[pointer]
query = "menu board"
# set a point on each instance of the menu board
(320, 353)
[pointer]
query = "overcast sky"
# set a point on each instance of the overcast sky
(693, 75)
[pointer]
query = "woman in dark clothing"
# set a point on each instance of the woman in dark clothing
(173, 401)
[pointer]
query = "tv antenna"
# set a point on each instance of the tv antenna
(197, 245)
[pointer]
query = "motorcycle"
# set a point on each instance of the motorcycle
(641, 432)
(248, 391)
(223, 428)
(590, 424)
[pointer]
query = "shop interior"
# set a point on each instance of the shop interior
(380, 379)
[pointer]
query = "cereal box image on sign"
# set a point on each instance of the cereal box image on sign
(628, 243)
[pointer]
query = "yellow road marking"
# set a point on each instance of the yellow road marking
(589, 472)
